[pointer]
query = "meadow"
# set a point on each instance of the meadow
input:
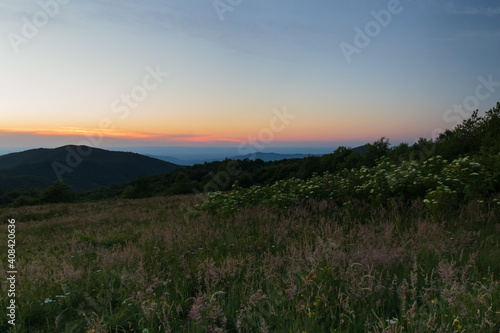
(400, 239)
(163, 264)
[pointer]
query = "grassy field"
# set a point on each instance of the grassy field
(160, 265)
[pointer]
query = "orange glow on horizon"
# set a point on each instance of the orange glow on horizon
(309, 133)
(74, 131)
(78, 132)
(211, 139)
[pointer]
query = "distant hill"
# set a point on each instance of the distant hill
(174, 160)
(267, 157)
(360, 149)
(38, 167)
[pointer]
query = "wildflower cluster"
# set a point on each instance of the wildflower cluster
(439, 182)
(282, 193)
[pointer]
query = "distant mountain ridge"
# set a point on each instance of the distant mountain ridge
(36, 167)
(266, 157)
(174, 160)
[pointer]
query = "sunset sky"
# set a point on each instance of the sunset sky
(208, 73)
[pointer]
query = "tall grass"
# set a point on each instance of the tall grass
(159, 265)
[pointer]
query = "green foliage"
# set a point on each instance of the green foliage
(24, 200)
(442, 184)
(140, 188)
(375, 151)
(342, 158)
(442, 200)
(182, 184)
(58, 192)
(473, 135)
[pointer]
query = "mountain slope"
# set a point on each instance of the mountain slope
(83, 168)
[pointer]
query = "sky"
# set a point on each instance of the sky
(233, 73)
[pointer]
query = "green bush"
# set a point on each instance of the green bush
(441, 183)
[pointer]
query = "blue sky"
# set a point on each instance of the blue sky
(226, 78)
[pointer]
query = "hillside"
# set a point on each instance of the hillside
(38, 167)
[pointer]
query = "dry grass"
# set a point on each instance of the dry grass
(158, 264)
